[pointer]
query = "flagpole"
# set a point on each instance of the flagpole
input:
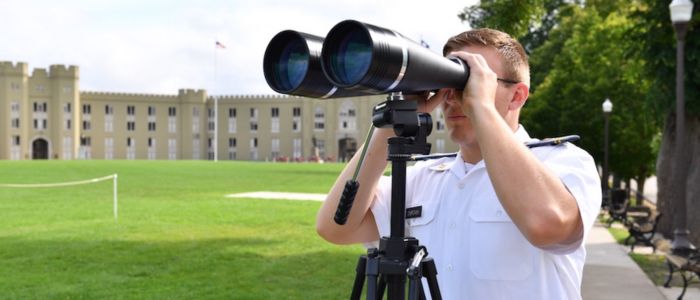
(216, 104)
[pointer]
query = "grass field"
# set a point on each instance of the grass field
(177, 236)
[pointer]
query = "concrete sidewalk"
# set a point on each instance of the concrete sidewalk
(609, 273)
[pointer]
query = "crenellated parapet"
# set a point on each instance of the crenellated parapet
(63, 71)
(8, 68)
(136, 97)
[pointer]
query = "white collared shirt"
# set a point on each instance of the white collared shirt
(478, 251)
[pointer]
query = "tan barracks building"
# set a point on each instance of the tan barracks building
(45, 115)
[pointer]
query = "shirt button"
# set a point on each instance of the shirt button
(450, 268)
(453, 225)
(461, 185)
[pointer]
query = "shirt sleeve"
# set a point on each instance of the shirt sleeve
(381, 207)
(577, 170)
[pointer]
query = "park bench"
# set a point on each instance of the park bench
(686, 263)
(617, 208)
(641, 227)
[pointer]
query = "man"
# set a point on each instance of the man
(501, 221)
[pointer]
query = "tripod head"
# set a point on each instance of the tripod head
(411, 129)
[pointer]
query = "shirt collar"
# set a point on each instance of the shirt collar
(458, 169)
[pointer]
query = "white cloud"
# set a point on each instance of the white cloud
(161, 46)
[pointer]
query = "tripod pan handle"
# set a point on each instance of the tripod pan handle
(345, 203)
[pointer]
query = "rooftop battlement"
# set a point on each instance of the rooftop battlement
(11, 68)
(39, 72)
(64, 71)
(254, 96)
(104, 95)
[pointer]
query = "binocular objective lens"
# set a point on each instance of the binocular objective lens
(292, 65)
(351, 60)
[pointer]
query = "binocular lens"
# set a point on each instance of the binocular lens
(291, 67)
(352, 58)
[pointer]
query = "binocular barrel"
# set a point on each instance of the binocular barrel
(357, 59)
(292, 65)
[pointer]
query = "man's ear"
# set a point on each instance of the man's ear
(522, 91)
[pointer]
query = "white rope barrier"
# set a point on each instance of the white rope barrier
(65, 184)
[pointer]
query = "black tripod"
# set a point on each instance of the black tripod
(398, 257)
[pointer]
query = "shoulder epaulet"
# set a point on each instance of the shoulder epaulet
(532, 144)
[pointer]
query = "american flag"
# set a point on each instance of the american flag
(220, 45)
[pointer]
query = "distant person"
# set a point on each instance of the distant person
(501, 221)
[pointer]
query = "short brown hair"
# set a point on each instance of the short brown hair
(513, 54)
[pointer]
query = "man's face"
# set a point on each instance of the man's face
(459, 126)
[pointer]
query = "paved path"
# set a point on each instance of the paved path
(609, 273)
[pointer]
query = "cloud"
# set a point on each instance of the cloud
(161, 46)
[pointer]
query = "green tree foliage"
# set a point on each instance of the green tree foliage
(579, 56)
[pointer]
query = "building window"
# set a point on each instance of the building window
(67, 108)
(172, 149)
(109, 110)
(15, 122)
(232, 148)
(151, 110)
(130, 148)
(14, 107)
(15, 148)
(319, 119)
(109, 123)
(130, 110)
(296, 148)
(440, 146)
(67, 148)
(109, 148)
(296, 112)
(172, 111)
(151, 148)
(231, 112)
(131, 126)
(440, 120)
(274, 148)
(172, 125)
(275, 125)
(87, 109)
(40, 107)
(85, 147)
(253, 126)
(346, 117)
(195, 148)
(86, 125)
(151, 126)
(254, 149)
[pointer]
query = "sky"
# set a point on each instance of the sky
(160, 46)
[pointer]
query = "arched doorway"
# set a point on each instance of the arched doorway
(346, 149)
(40, 149)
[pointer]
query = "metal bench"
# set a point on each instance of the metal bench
(686, 263)
(617, 208)
(641, 227)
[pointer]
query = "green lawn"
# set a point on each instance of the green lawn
(177, 236)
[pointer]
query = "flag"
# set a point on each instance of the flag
(220, 45)
(424, 44)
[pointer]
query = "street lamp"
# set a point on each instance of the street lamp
(681, 12)
(607, 109)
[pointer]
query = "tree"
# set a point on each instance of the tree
(656, 43)
(574, 68)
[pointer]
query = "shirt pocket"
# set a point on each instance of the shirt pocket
(498, 251)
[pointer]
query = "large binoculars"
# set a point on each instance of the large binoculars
(356, 59)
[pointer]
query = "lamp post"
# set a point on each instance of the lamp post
(681, 12)
(607, 109)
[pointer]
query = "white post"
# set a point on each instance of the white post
(115, 196)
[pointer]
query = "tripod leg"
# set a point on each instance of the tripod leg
(430, 274)
(372, 270)
(359, 278)
(380, 289)
(414, 290)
